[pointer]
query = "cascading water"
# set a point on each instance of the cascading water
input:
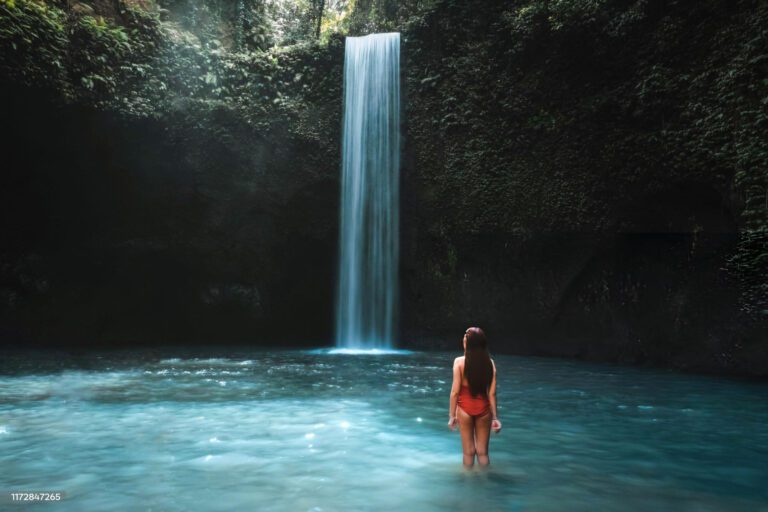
(368, 252)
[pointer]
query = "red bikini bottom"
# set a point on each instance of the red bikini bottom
(474, 406)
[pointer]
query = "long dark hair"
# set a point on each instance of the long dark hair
(478, 368)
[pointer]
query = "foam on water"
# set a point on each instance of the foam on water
(363, 352)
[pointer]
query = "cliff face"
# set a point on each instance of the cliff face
(143, 231)
(160, 187)
(579, 178)
(585, 181)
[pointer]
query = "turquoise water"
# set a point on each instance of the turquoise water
(314, 431)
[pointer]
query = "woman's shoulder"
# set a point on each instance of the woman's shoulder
(458, 361)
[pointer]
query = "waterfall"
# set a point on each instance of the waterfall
(367, 294)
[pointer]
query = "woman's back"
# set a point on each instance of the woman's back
(464, 381)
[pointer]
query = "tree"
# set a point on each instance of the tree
(319, 18)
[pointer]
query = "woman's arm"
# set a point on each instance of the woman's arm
(492, 392)
(455, 388)
(496, 424)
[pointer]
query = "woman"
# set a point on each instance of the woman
(473, 397)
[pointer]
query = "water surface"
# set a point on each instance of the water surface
(316, 431)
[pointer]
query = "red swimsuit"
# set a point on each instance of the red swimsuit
(473, 405)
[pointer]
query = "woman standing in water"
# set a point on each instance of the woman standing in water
(473, 397)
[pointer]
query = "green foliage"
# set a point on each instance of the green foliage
(293, 21)
(252, 31)
(142, 66)
(369, 16)
(567, 14)
(99, 49)
(240, 25)
(583, 104)
(33, 42)
(568, 100)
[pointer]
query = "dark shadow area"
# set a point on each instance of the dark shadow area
(124, 233)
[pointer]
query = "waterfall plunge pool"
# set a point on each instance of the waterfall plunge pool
(312, 430)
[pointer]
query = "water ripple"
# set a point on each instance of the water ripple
(298, 430)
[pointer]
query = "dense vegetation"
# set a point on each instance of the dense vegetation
(644, 95)
(603, 160)
(583, 177)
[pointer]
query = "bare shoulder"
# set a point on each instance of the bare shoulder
(458, 360)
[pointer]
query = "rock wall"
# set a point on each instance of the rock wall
(160, 189)
(581, 179)
(576, 180)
